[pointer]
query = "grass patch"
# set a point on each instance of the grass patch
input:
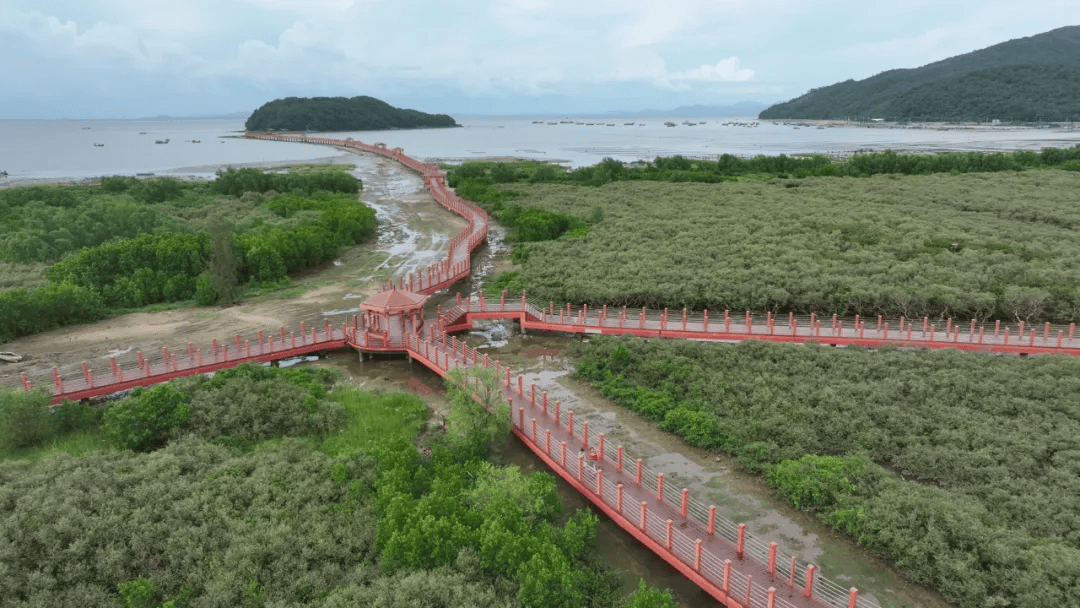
(375, 418)
(75, 443)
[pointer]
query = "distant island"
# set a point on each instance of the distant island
(340, 114)
(1023, 80)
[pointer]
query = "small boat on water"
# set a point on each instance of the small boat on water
(99, 145)
(161, 141)
(669, 124)
(10, 357)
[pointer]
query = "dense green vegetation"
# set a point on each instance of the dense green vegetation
(361, 113)
(267, 486)
(980, 245)
(127, 243)
(477, 181)
(960, 467)
(1027, 79)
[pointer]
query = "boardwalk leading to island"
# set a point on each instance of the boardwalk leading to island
(717, 554)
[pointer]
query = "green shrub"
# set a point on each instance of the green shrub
(822, 483)
(145, 420)
(24, 418)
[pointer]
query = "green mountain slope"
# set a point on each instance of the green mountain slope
(339, 114)
(1027, 79)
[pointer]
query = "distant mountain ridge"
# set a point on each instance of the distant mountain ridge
(1026, 79)
(361, 113)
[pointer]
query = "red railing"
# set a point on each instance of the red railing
(991, 336)
(716, 553)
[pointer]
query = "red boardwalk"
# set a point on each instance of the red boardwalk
(716, 553)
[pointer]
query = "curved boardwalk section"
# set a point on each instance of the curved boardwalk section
(717, 554)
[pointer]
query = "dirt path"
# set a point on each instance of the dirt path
(413, 232)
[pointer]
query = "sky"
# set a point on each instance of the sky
(138, 58)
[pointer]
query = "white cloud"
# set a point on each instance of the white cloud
(726, 70)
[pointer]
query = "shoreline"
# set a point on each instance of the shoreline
(195, 173)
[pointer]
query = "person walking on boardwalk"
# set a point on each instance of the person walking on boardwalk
(594, 458)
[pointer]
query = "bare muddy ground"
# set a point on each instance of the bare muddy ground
(413, 232)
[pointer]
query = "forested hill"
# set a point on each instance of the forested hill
(340, 114)
(1027, 79)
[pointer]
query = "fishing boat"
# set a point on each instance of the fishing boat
(161, 141)
(10, 357)
(99, 145)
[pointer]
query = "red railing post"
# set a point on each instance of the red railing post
(772, 598)
(791, 573)
(644, 513)
(585, 433)
(638, 476)
(547, 441)
(809, 589)
(532, 393)
(619, 451)
(742, 541)
(772, 559)
(543, 395)
(25, 381)
(727, 576)
(558, 414)
(521, 418)
(685, 501)
(570, 423)
(618, 497)
(600, 483)
(521, 385)
(581, 467)
(697, 555)
(853, 597)
(600, 446)
(562, 460)
(667, 534)
(534, 431)
(712, 520)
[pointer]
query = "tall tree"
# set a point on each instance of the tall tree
(223, 263)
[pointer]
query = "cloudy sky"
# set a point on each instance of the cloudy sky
(133, 58)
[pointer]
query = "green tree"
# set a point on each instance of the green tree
(650, 597)
(478, 414)
(223, 263)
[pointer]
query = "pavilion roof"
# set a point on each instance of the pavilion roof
(394, 300)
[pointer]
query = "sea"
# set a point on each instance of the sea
(50, 150)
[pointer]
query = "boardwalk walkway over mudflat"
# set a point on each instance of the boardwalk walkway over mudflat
(715, 553)
(995, 337)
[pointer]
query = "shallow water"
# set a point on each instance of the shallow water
(65, 148)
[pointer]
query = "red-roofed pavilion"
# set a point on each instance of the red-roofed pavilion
(393, 313)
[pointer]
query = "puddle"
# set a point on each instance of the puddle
(116, 352)
(343, 311)
(293, 361)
